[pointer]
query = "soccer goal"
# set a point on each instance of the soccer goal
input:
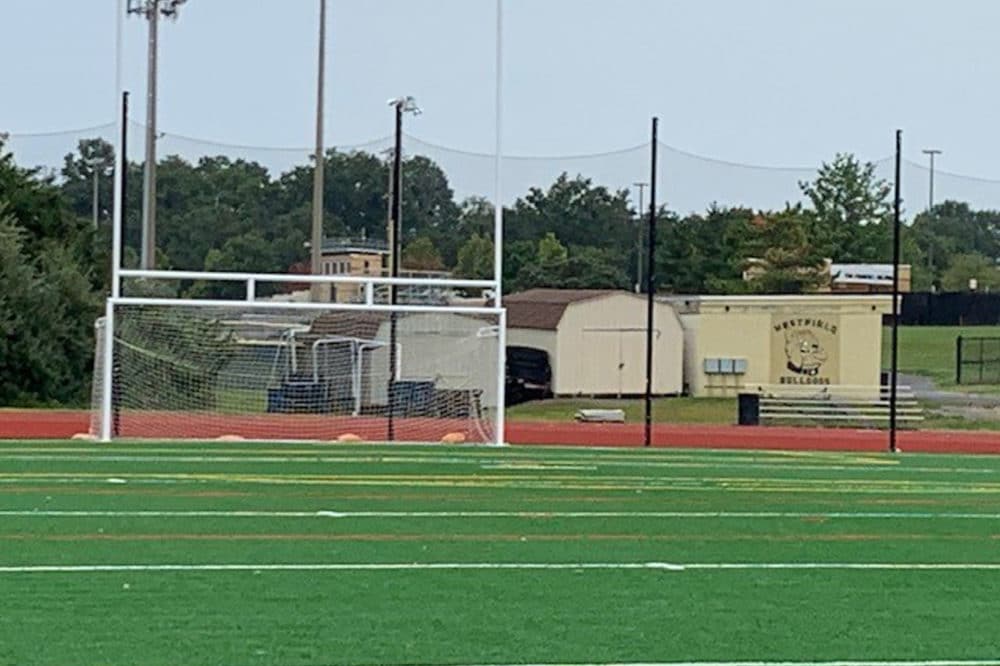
(200, 369)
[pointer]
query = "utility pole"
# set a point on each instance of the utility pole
(638, 240)
(151, 10)
(317, 290)
(931, 152)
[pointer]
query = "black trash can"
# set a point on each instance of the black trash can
(749, 409)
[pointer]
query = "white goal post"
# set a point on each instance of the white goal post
(256, 368)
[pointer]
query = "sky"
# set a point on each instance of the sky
(777, 83)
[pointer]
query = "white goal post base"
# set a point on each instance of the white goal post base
(171, 368)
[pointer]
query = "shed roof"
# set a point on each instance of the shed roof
(542, 309)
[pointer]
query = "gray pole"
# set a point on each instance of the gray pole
(638, 240)
(316, 247)
(96, 194)
(931, 152)
(149, 175)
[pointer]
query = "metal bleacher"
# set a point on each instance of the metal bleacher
(862, 406)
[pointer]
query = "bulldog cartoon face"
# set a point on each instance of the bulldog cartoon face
(805, 354)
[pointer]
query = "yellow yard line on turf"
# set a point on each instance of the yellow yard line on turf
(581, 464)
(566, 482)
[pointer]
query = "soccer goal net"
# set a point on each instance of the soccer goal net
(246, 370)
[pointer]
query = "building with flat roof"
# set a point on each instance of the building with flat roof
(736, 343)
(363, 257)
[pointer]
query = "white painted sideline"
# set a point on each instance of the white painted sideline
(465, 566)
(870, 515)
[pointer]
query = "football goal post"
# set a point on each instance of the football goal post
(175, 368)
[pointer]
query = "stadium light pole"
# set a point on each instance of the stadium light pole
(319, 166)
(401, 105)
(638, 240)
(931, 153)
(151, 10)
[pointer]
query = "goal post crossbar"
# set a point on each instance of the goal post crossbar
(253, 278)
(291, 305)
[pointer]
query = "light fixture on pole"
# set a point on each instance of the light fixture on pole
(151, 10)
(931, 152)
(401, 105)
(318, 291)
(638, 240)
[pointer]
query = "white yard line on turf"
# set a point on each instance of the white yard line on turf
(465, 566)
(870, 515)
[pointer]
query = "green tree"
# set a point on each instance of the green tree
(850, 217)
(47, 313)
(421, 255)
(475, 259)
(552, 254)
(94, 157)
(954, 228)
(518, 256)
(789, 264)
(703, 254)
(574, 210)
(37, 206)
(245, 253)
(970, 266)
(594, 268)
(201, 206)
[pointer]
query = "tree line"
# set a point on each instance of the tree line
(235, 215)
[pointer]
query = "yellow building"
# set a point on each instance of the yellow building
(734, 343)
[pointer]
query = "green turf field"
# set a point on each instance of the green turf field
(242, 553)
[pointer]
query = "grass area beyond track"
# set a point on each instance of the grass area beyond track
(665, 410)
(244, 553)
(929, 351)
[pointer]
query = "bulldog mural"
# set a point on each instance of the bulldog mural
(805, 350)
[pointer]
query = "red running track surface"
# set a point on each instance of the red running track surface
(49, 424)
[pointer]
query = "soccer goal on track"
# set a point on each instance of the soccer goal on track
(181, 368)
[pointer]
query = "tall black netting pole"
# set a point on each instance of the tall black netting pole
(650, 287)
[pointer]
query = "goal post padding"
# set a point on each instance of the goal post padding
(203, 370)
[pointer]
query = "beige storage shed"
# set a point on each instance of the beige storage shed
(596, 340)
(733, 343)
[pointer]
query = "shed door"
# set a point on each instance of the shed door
(615, 361)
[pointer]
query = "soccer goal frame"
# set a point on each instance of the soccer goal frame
(109, 381)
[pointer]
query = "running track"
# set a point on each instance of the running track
(47, 424)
